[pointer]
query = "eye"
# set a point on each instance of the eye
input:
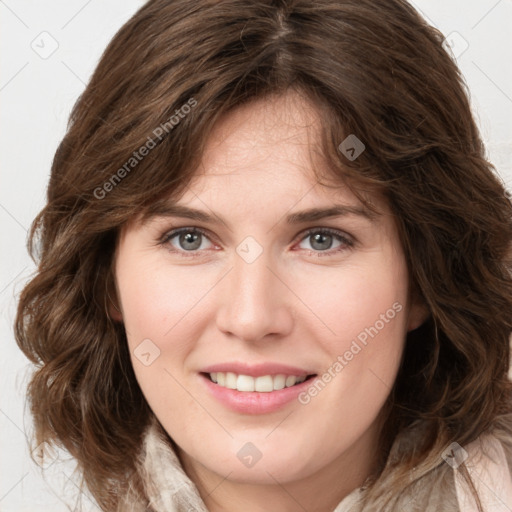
(326, 240)
(187, 240)
(190, 241)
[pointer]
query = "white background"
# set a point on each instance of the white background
(36, 97)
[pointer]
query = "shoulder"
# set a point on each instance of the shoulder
(488, 462)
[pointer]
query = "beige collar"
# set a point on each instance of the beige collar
(434, 486)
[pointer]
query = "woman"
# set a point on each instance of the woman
(274, 269)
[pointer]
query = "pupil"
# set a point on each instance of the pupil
(323, 241)
(190, 238)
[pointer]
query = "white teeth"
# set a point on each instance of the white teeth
(290, 380)
(279, 382)
(263, 384)
(245, 383)
(231, 380)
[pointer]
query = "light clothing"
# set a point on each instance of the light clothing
(436, 486)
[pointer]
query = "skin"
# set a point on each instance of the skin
(297, 303)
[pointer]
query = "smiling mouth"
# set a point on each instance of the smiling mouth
(262, 384)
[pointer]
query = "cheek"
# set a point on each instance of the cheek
(361, 328)
(160, 300)
(163, 308)
(349, 301)
(166, 311)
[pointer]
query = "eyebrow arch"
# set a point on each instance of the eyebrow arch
(314, 214)
(300, 217)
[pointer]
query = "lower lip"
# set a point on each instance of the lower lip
(255, 402)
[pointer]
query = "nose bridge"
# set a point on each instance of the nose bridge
(250, 283)
(254, 303)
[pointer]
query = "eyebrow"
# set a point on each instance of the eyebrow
(314, 214)
(300, 217)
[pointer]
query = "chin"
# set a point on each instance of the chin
(274, 464)
(262, 474)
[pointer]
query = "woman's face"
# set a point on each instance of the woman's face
(266, 285)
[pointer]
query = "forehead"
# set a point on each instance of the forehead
(264, 159)
(268, 150)
(268, 136)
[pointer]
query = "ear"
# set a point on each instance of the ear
(418, 313)
(113, 307)
(114, 312)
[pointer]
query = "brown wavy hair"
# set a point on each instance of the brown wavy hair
(373, 68)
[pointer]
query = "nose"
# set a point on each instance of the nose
(255, 302)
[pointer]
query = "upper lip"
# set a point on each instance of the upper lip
(257, 370)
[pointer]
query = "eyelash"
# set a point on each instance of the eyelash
(346, 241)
